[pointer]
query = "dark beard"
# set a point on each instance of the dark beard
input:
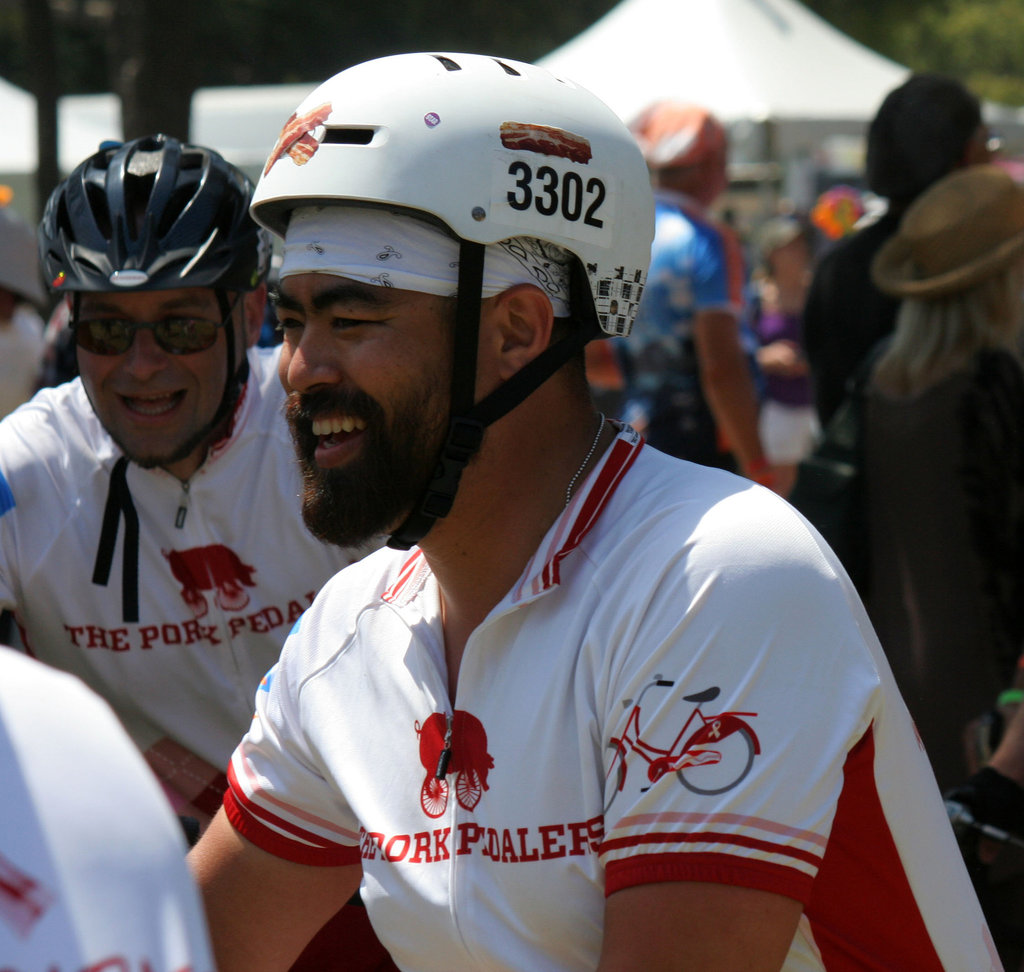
(371, 495)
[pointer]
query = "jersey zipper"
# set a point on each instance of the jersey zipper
(444, 758)
(183, 505)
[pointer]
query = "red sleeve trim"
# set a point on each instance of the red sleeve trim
(702, 836)
(712, 868)
(243, 818)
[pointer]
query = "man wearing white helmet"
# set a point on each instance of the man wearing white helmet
(612, 710)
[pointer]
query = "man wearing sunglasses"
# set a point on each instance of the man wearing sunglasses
(151, 539)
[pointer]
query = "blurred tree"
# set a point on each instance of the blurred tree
(872, 24)
(38, 29)
(154, 53)
(155, 63)
(977, 41)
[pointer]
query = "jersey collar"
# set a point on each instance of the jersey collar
(567, 532)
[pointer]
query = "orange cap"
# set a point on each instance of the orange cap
(672, 133)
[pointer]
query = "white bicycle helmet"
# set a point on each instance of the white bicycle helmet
(492, 149)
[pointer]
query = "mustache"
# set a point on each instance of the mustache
(303, 407)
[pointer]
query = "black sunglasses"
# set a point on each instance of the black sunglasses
(175, 335)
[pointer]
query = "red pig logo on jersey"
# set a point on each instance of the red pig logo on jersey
(214, 568)
(453, 745)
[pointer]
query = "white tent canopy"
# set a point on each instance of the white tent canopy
(82, 121)
(18, 146)
(754, 60)
(796, 93)
(242, 123)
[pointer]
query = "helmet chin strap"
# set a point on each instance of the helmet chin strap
(468, 418)
(464, 434)
(236, 376)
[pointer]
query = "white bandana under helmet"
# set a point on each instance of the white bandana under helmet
(386, 249)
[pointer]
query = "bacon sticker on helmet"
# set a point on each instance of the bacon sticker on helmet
(545, 140)
(296, 139)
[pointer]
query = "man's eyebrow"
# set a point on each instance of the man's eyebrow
(344, 292)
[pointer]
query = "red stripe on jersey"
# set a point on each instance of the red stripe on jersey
(711, 868)
(408, 569)
(861, 893)
(273, 801)
(711, 837)
(861, 908)
(248, 819)
(621, 459)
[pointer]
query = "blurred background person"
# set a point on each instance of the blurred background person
(993, 799)
(21, 326)
(944, 457)
(944, 473)
(690, 385)
(925, 128)
(788, 424)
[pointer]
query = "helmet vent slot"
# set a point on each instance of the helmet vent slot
(98, 206)
(348, 136)
(508, 69)
(448, 63)
(174, 208)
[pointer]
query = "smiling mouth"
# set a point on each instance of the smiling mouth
(152, 404)
(332, 425)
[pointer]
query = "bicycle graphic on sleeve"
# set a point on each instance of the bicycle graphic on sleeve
(710, 754)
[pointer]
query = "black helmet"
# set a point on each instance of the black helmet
(152, 214)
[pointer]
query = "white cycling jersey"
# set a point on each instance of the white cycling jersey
(682, 686)
(225, 567)
(92, 861)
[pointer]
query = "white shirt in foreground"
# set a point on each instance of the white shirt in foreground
(92, 860)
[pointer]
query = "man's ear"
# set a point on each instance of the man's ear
(254, 304)
(521, 320)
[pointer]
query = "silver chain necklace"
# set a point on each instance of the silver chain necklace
(586, 459)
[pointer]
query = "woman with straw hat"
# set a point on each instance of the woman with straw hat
(944, 465)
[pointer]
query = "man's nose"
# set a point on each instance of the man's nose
(145, 356)
(310, 360)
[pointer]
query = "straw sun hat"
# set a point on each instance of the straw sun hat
(966, 227)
